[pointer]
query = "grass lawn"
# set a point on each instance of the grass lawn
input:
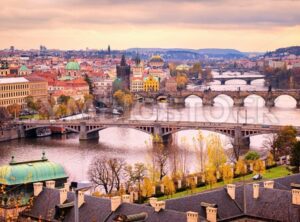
(35, 116)
(272, 173)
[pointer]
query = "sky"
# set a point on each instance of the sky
(246, 25)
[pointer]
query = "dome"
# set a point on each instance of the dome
(156, 58)
(72, 66)
(30, 172)
(23, 68)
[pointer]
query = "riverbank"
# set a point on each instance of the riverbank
(10, 132)
(275, 172)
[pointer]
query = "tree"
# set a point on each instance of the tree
(191, 183)
(270, 159)
(63, 99)
(123, 98)
(181, 80)
(258, 167)
(295, 155)
(30, 103)
(241, 168)
(169, 187)
(200, 150)
(210, 177)
(285, 141)
(215, 152)
(147, 187)
(106, 173)
(136, 174)
(90, 83)
(252, 156)
(4, 114)
(227, 173)
(14, 110)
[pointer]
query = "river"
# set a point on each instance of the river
(135, 146)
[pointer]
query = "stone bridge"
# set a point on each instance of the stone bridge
(89, 129)
(208, 97)
(247, 79)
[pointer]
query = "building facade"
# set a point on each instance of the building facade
(151, 84)
(123, 73)
(4, 69)
(13, 91)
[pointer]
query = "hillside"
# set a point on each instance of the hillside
(282, 51)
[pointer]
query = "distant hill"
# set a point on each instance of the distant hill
(181, 53)
(282, 51)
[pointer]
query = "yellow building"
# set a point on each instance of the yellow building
(13, 91)
(151, 84)
(16, 90)
(38, 88)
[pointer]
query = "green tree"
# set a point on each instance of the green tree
(295, 155)
(285, 141)
(251, 156)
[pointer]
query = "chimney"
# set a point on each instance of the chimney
(50, 184)
(80, 198)
(62, 195)
(255, 190)
(37, 188)
(159, 205)
(152, 201)
(231, 190)
(67, 186)
(296, 196)
(179, 184)
(126, 198)
(115, 203)
(211, 214)
(269, 184)
(192, 216)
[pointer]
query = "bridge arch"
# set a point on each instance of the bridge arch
(147, 129)
(235, 81)
(223, 100)
(193, 100)
(225, 132)
(285, 101)
(254, 100)
(257, 82)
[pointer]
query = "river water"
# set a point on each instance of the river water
(135, 146)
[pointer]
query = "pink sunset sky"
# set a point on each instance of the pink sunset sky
(247, 25)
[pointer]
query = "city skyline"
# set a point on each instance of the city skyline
(244, 25)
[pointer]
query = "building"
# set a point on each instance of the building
(72, 71)
(22, 180)
(151, 84)
(102, 86)
(171, 85)
(277, 200)
(123, 73)
(24, 71)
(13, 91)
(38, 88)
(136, 80)
(4, 69)
(156, 62)
(76, 89)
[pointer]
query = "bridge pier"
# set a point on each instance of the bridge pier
(270, 102)
(298, 104)
(179, 101)
(238, 101)
(85, 135)
(149, 100)
(207, 101)
(240, 144)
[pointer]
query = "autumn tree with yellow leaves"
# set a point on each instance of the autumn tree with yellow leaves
(147, 187)
(169, 186)
(240, 167)
(227, 173)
